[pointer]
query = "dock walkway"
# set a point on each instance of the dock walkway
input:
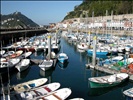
(106, 70)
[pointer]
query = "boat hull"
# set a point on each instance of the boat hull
(98, 85)
(97, 53)
(128, 94)
(108, 81)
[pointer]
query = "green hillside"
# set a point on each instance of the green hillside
(100, 8)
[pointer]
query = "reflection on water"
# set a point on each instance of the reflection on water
(38, 55)
(63, 66)
(23, 74)
(47, 74)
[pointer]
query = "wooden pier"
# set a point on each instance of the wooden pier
(106, 70)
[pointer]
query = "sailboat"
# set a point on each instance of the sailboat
(48, 62)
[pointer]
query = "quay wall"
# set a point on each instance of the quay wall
(101, 31)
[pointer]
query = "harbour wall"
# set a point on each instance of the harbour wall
(101, 31)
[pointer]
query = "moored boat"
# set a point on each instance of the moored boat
(76, 99)
(29, 85)
(98, 52)
(14, 55)
(8, 53)
(110, 61)
(107, 81)
(46, 64)
(60, 94)
(129, 93)
(25, 55)
(62, 57)
(82, 46)
(23, 65)
(40, 91)
(5, 65)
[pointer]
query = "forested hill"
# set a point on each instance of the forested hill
(101, 8)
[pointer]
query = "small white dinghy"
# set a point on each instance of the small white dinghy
(23, 65)
(60, 94)
(29, 85)
(129, 93)
(40, 91)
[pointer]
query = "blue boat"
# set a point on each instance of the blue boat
(62, 58)
(98, 52)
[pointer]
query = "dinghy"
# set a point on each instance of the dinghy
(29, 85)
(60, 94)
(107, 81)
(62, 57)
(77, 99)
(40, 91)
(129, 93)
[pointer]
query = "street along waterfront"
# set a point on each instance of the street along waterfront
(73, 75)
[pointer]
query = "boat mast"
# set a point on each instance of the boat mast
(111, 23)
(106, 21)
(1, 45)
(8, 85)
(2, 87)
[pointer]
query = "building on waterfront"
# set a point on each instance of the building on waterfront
(124, 21)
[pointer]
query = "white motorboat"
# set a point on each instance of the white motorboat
(23, 65)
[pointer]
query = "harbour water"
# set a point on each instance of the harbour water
(73, 75)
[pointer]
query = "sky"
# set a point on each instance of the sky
(41, 12)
